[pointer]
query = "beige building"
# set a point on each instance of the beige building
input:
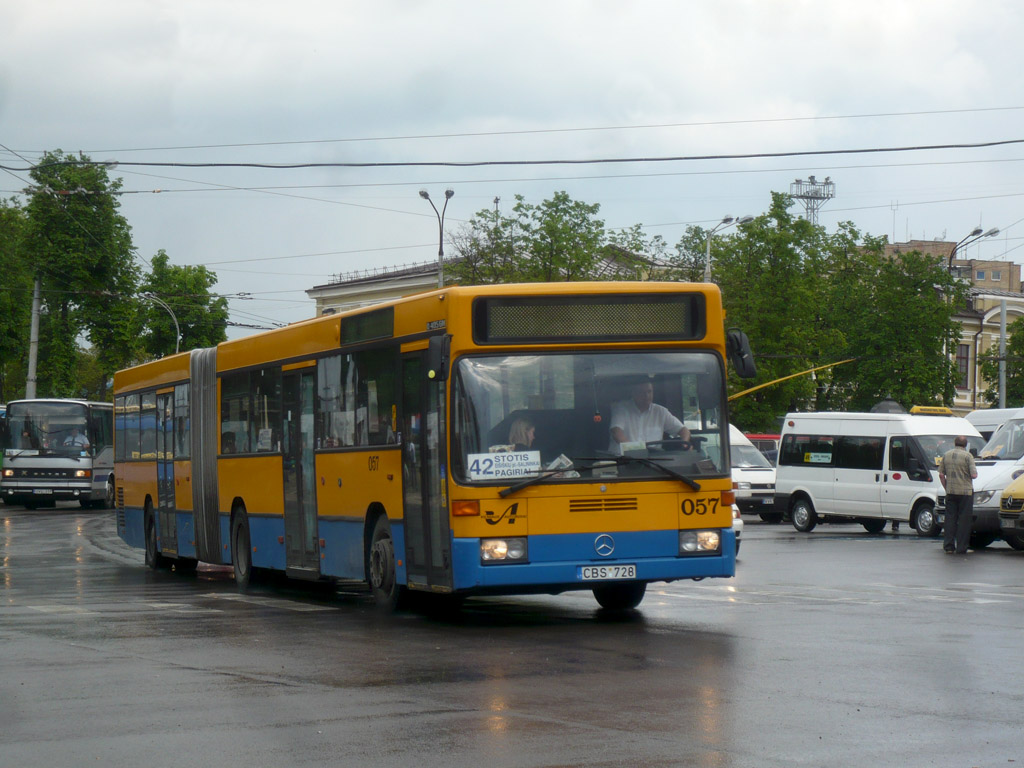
(992, 284)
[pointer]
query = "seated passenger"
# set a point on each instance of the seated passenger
(521, 434)
(641, 420)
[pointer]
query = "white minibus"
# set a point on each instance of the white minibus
(988, 420)
(865, 467)
(999, 462)
(753, 477)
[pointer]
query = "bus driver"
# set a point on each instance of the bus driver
(641, 420)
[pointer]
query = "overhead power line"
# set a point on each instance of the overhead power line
(563, 161)
(583, 129)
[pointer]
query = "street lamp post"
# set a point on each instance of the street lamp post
(177, 331)
(448, 193)
(727, 221)
(976, 234)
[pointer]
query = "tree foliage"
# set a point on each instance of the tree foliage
(202, 318)
(71, 236)
(15, 299)
(1014, 367)
(559, 240)
(81, 250)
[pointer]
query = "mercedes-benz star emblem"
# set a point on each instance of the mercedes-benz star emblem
(604, 545)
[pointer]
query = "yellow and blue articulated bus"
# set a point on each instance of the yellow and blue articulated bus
(468, 441)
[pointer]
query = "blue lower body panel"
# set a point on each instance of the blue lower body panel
(556, 560)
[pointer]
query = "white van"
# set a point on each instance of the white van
(999, 462)
(988, 420)
(866, 467)
(753, 477)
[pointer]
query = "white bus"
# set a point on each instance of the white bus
(58, 450)
(867, 467)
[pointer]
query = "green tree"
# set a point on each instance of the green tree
(15, 300)
(989, 367)
(902, 333)
(766, 272)
(202, 317)
(80, 248)
(559, 240)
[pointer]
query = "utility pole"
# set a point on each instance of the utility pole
(33, 341)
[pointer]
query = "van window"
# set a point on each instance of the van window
(856, 452)
(802, 450)
(1006, 443)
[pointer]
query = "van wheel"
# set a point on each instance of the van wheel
(1015, 540)
(804, 517)
(982, 540)
(873, 526)
(925, 520)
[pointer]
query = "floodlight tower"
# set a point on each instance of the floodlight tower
(813, 194)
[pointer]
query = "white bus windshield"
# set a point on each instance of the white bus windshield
(48, 427)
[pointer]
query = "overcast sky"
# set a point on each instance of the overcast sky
(388, 81)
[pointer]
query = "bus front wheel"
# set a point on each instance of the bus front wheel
(620, 597)
(381, 571)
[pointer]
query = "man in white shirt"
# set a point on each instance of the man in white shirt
(641, 420)
(76, 439)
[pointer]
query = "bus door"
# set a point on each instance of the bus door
(428, 552)
(300, 526)
(167, 521)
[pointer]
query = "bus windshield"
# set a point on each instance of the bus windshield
(52, 428)
(551, 416)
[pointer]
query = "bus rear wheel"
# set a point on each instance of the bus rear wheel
(241, 549)
(620, 597)
(154, 559)
(381, 566)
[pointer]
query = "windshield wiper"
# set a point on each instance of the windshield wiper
(530, 481)
(648, 463)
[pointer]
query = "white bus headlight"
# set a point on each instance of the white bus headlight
(742, 486)
(503, 550)
(699, 542)
(982, 496)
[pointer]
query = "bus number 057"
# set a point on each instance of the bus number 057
(700, 506)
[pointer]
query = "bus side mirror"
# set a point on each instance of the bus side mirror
(437, 357)
(737, 347)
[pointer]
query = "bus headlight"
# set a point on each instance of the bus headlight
(982, 496)
(83, 473)
(699, 542)
(742, 486)
(512, 550)
(8, 473)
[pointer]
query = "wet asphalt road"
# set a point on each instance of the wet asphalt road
(837, 648)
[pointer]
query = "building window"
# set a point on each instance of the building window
(996, 275)
(981, 274)
(963, 359)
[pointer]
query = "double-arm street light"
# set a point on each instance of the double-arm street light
(177, 331)
(727, 221)
(976, 234)
(448, 193)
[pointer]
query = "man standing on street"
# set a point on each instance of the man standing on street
(956, 472)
